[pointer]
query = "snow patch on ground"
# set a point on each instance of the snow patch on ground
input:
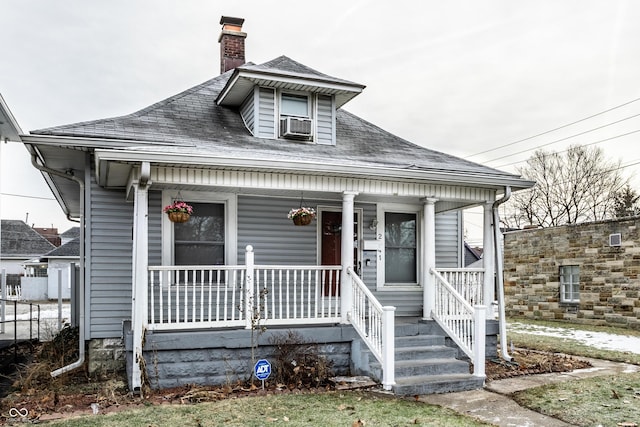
(601, 340)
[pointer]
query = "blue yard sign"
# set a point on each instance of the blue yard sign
(262, 370)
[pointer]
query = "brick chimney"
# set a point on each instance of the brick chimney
(231, 43)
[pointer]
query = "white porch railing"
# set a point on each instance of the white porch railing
(468, 282)
(375, 325)
(196, 296)
(464, 324)
(192, 297)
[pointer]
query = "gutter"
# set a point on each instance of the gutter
(81, 353)
(502, 324)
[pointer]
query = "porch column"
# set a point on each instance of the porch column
(488, 260)
(140, 271)
(346, 254)
(429, 256)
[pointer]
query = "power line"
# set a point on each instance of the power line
(564, 139)
(555, 129)
(564, 151)
(27, 197)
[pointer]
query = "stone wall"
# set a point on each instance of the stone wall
(609, 284)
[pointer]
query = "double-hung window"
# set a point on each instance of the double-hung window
(570, 284)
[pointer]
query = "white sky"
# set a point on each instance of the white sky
(457, 76)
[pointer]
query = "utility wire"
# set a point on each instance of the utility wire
(555, 129)
(27, 197)
(564, 151)
(565, 138)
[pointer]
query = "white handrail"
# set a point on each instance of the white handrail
(376, 326)
(462, 322)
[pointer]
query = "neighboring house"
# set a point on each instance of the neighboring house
(60, 265)
(472, 256)
(69, 235)
(584, 273)
(244, 148)
(20, 244)
(51, 234)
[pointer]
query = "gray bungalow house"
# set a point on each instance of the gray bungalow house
(376, 279)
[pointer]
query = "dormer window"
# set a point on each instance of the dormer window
(295, 117)
(294, 105)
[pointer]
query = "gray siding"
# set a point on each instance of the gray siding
(155, 227)
(247, 111)
(325, 121)
(110, 234)
(266, 113)
(449, 240)
(263, 223)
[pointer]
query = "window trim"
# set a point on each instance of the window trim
(563, 284)
(230, 202)
(383, 208)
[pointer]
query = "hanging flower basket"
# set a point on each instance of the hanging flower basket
(178, 216)
(302, 215)
(178, 211)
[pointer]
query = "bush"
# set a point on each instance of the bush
(297, 362)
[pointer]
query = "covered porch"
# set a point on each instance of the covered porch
(246, 295)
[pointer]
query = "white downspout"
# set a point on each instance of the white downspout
(81, 355)
(502, 323)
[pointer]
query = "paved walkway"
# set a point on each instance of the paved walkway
(493, 404)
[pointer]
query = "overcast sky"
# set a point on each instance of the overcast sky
(461, 77)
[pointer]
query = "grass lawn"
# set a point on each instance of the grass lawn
(324, 409)
(605, 401)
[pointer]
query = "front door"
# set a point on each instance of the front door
(331, 246)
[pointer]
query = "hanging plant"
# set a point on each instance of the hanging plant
(178, 211)
(302, 215)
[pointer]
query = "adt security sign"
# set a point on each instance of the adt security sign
(262, 370)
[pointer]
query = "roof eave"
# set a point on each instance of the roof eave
(229, 95)
(103, 157)
(9, 128)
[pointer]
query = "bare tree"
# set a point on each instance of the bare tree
(575, 186)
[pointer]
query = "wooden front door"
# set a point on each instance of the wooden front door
(331, 242)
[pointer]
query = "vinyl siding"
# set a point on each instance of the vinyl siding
(266, 113)
(449, 240)
(263, 224)
(325, 121)
(247, 111)
(110, 234)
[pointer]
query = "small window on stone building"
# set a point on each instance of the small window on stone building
(570, 283)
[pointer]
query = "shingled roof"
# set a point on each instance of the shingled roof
(191, 123)
(69, 249)
(21, 241)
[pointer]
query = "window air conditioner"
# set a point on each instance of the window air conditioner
(615, 239)
(295, 127)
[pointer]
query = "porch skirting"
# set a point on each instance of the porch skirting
(216, 357)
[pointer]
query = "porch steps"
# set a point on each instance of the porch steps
(424, 363)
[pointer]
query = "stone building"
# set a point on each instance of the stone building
(584, 273)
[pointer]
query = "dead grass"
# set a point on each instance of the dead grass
(604, 401)
(305, 409)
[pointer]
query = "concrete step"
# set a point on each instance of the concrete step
(434, 384)
(418, 340)
(425, 352)
(412, 368)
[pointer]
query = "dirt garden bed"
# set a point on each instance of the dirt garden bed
(31, 390)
